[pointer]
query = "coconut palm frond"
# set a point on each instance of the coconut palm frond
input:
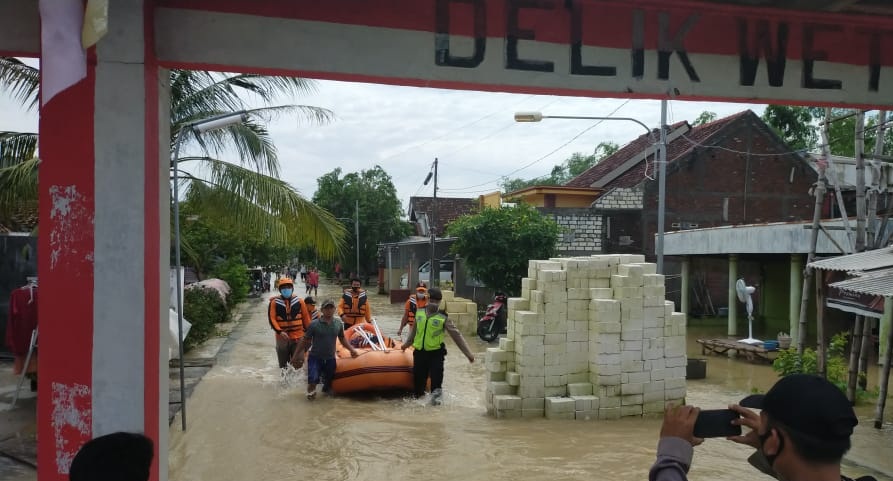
(254, 199)
(22, 81)
(18, 184)
(267, 87)
(250, 139)
(16, 147)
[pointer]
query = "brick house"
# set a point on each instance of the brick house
(731, 171)
(725, 172)
(421, 210)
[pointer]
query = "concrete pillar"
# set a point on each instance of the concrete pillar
(884, 329)
(685, 278)
(733, 296)
(103, 224)
(796, 290)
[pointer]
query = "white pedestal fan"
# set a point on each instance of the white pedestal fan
(744, 295)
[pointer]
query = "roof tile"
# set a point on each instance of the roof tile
(676, 149)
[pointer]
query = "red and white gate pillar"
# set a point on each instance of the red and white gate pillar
(103, 228)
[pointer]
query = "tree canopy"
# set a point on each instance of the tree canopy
(247, 190)
(380, 212)
(496, 244)
(800, 127)
(562, 173)
(705, 118)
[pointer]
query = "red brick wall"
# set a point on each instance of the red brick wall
(758, 188)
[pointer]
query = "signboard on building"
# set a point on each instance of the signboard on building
(856, 303)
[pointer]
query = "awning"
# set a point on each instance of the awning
(863, 295)
(859, 262)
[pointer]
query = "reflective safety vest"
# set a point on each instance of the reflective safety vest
(288, 315)
(429, 331)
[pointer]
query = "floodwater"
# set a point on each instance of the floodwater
(247, 423)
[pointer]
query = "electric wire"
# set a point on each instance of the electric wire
(469, 124)
(530, 164)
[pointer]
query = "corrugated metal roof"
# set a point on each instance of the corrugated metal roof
(877, 283)
(862, 261)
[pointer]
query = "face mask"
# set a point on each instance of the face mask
(355, 288)
(286, 292)
(763, 438)
(420, 296)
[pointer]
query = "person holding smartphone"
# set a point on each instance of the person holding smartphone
(801, 433)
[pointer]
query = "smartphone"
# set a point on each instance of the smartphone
(716, 423)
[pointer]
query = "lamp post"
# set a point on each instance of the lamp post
(198, 128)
(356, 232)
(661, 164)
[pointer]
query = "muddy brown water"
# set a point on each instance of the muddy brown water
(245, 422)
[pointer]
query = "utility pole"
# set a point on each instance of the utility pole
(356, 232)
(662, 187)
(432, 227)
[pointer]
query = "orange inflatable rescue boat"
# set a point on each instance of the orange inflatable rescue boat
(380, 366)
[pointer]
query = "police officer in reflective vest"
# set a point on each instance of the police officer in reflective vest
(429, 350)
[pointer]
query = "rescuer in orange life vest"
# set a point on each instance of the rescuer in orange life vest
(354, 306)
(289, 317)
(415, 302)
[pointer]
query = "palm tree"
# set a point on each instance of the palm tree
(247, 193)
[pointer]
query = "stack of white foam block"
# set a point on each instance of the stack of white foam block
(463, 312)
(589, 338)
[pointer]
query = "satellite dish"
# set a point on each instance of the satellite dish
(745, 295)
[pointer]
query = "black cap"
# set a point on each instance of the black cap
(808, 404)
(435, 294)
(309, 300)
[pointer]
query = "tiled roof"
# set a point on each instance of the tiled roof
(448, 209)
(676, 149)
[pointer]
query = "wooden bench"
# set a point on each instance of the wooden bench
(730, 347)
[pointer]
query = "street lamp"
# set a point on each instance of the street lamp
(356, 232)
(661, 164)
(198, 128)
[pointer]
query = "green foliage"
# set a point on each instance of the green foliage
(793, 124)
(379, 213)
(800, 128)
(246, 192)
(563, 173)
(496, 244)
(235, 273)
(203, 308)
(837, 366)
(205, 244)
(705, 118)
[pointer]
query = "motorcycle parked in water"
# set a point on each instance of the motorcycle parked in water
(493, 322)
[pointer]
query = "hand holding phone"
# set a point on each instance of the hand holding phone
(716, 423)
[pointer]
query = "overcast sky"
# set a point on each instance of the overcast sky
(473, 134)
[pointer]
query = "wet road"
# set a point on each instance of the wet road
(247, 423)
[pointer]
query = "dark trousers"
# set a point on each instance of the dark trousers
(425, 364)
(285, 350)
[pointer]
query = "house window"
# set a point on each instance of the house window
(549, 200)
